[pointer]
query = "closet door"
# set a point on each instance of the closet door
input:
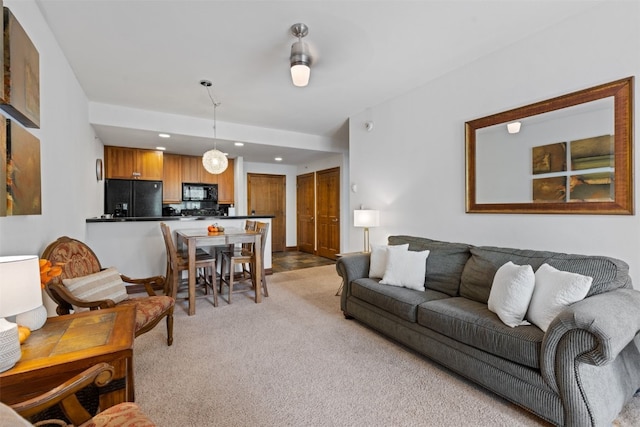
(328, 212)
(305, 212)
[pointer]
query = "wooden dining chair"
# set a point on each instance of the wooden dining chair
(85, 285)
(245, 256)
(177, 262)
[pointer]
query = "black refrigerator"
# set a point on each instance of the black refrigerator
(132, 198)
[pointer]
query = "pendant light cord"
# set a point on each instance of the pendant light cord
(215, 106)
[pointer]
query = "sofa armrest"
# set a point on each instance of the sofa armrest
(351, 267)
(593, 331)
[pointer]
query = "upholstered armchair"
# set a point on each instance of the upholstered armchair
(65, 398)
(84, 284)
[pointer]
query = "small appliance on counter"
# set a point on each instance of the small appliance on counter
(170, 211)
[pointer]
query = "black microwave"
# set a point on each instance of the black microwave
(199, 192)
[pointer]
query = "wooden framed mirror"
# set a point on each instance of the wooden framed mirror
(570, 154)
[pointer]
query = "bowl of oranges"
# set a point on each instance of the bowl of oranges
(215, 228)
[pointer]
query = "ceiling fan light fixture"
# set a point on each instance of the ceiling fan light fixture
(300, 58)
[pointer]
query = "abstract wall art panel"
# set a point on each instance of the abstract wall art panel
(23, 172)
(21, 74)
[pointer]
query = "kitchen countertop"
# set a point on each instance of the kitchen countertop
(175, 218)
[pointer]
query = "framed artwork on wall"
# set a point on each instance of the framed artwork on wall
(3, 167)
(21, 74)
(24, 193)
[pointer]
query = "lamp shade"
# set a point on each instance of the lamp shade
(214, 161)
(300, 64)
(19, 284)
(366, 218)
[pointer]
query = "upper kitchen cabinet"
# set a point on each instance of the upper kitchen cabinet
(226, 185)
(194, 172)
(172, 178)
(192, 169)
(133, 163)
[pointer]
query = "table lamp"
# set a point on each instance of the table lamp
(366, 218)
(19, 292)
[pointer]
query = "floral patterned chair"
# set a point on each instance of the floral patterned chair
(69, 407)
(79, 261)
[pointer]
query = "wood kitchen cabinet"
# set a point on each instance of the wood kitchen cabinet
(226, 185)
(191, 166)
(133, 163)
(172, 178)
(193, 171)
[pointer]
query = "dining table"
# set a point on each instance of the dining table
(195, 237)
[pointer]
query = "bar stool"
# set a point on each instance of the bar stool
(178, 262)
(245, 256)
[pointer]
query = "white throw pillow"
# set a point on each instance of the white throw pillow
(106, 284)
(554, 291)
(511, 293)
(378, 258)
(406, 269)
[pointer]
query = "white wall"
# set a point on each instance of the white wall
(411, 166)
(68, 149)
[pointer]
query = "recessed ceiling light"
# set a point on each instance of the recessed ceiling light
(161, 148)
(278, 159)
(164, 135)
(239, 144)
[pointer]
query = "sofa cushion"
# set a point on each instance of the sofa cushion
(406, 269)
(401, 302)
(471, 323)
(511, 293)
(607, 273)
(444, 265)
(479, 271)
(379, 258)
(554, 291)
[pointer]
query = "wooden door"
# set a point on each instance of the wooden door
(266, 195)
(172, 178)
(328, 212)
(305, 212)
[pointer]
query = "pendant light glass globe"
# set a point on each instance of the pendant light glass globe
(214, 161)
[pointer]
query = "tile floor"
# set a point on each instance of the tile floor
(289, 260)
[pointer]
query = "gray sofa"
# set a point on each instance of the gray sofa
(581, 372)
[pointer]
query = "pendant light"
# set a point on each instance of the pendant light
(300, 58)
(214, 161)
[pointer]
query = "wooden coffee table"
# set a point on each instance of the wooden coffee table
(67, 345)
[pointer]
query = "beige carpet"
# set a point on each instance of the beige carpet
(295, 361)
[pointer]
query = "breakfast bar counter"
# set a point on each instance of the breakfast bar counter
(135, 245)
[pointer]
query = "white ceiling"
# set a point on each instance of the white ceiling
(151, 55)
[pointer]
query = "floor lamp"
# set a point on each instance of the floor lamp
(366, 218)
